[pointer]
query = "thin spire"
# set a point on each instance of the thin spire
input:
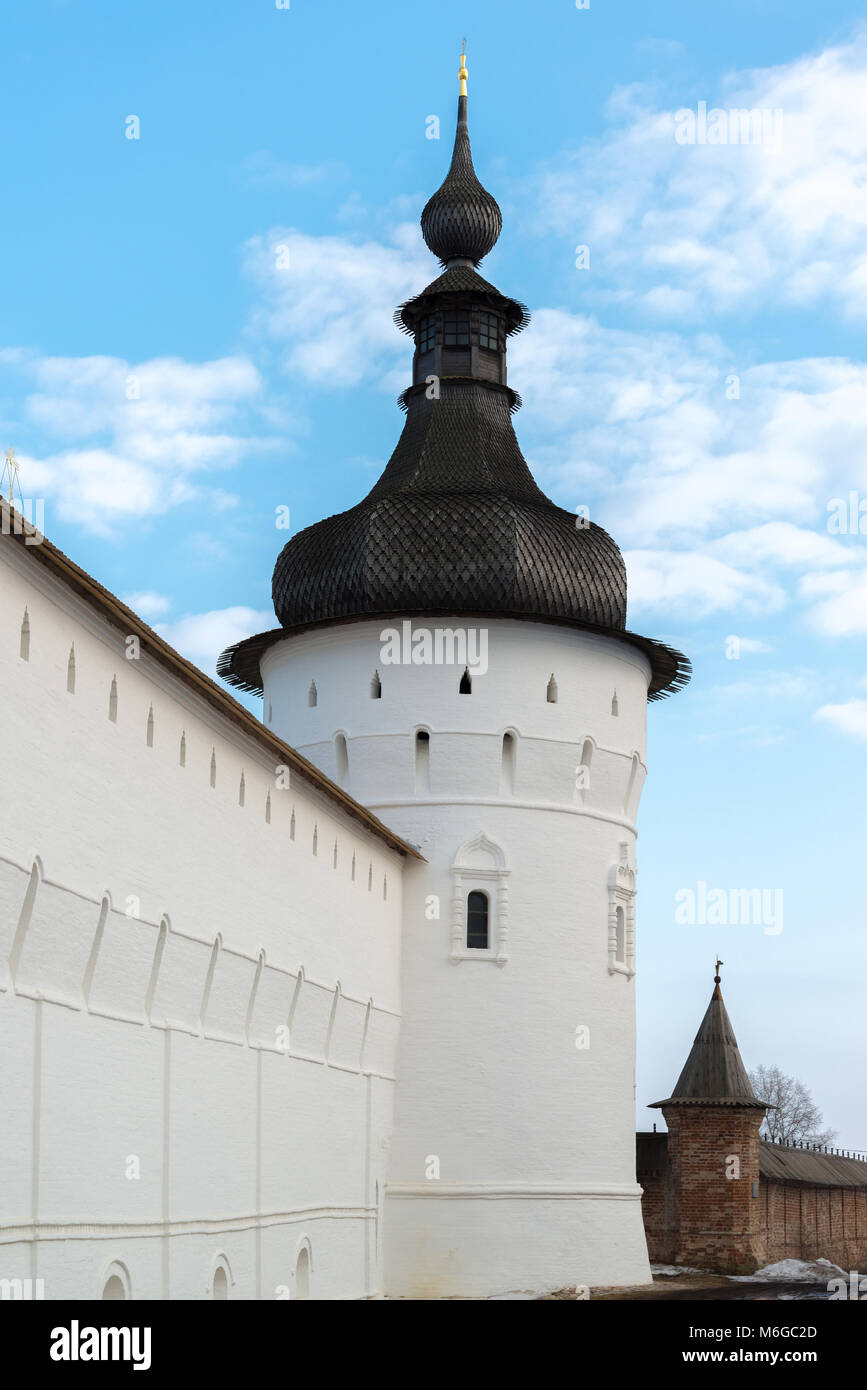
(462, 221)
(714, 1073)
(462, 74)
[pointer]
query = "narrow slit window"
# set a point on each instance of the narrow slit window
(341, 754)
(316, 839)
(422, 762)
(267, 808)
(384, 888)
(552, 690)
(615, 708)
(334, 856)
(376, 687)
(292, 825)
(112, 701)
(242, 791)
(150, 728)
(370, 878)
(24, 644)
(507, 765)
(312, 695)
(477, 921)
(620, 937)
(466, 685)
(353, 868)
(182, 751)
(70, 671)
(213, 768)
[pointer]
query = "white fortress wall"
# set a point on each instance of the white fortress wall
(198, 1014)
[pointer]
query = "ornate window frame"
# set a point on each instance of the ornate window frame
(491, 879)
(621, 894)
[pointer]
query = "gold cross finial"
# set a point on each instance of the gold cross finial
(462, 73)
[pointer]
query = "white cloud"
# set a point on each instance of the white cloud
(850, 718)
(136, 438)
(332, 304)
(724, 224)
(148, 604)
(694, 585)
(202, 636)
(838, 602)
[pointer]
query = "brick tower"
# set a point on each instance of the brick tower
(713, 1119)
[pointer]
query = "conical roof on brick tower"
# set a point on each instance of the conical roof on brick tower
(714, 1072)
(456, 524)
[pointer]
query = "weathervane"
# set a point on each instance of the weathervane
(716, 978)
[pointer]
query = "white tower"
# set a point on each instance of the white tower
(453, 650)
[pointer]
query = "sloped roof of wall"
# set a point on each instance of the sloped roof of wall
(16, 530)
(781, 1164)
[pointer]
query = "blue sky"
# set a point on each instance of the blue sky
(166, 386)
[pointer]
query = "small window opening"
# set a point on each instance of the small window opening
(466, 685)
(213, 768)
(292, 825)
(182, 751)
(112, 701)
(385, 887)
(615, 708)
(507, 765)
(552, 690)
(70, 671)
(427, 333)
(370, 878)
(312, 694)
(24, 645)
(334, 856)
(341, 754)
(376, 687)
(150, 728)
(220, 1289)
(242, 791)
(353, 868)
(620, 940)
(316, 839)
(422, 762)
(268, 808)
(477, 921)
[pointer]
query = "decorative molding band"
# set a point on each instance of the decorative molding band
(133, 1230)
(506, 802)
(541, 1192)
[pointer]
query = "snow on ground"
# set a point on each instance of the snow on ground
(794, 1272)
(677, 1269)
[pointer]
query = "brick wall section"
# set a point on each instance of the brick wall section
(806, 1223)
(714, 1219)
(691, 1218)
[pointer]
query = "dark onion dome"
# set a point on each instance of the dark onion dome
(456, 524)
(462, 221)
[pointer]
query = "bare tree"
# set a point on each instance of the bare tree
(796, 1115)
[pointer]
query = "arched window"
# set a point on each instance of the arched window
(376, 687)
(507, 765)
(112, 701)
(477, 921)
(113, 1290)
(220, 1289)
(422, 762)
(302, 1273)
(615, 708)
(24, 644)
(582, 771)
(466, 685)
(552, 690)
(150, 728)
(70, 671)
(620, 936)
(312, 694)
(341, 755)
